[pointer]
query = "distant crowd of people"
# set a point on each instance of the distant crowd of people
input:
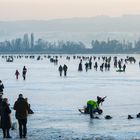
(22, 109)
(105, 65)
(99, 63)
(102, 63)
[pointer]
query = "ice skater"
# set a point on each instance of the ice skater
(17, 74)
(80, 68)
(60, 69)
(24, 72)
(65, 68)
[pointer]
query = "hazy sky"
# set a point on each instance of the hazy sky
(51, 9)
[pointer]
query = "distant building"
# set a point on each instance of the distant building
(32, 40)
(26, 43)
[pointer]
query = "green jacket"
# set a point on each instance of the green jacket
(93, 103)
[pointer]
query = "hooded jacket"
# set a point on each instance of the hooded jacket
(5, 116)
(21, 107)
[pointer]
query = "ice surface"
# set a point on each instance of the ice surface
(56, 100)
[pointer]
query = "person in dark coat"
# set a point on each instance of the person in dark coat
(5, 118)
(124, 67)
(1, 87)
(17, 74)
(21, 107)
(24, 72)
(60, 70)
(0, 103)
(80, 68)
(65, 68)
(86, 66)
(90, 64)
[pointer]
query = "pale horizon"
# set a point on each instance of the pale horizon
(52, 9)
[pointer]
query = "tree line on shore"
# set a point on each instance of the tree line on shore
(27, 45)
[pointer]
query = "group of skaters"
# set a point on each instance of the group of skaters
(22, 109)
(100, 63)
(104, 63)
(24, 71)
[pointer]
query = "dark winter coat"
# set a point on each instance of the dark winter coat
(0, 105)
(24, 71)
(1, 87)
(60, 68)
(5, 116)
(65, 68)
(21, 107)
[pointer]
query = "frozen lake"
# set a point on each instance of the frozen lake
(56, 100)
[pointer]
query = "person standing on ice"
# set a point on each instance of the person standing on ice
(1, 87)
(17, 74)
(65, 68)
(21, 107)
(86, 66)
(1, 99)
(60, 70)
(5, 118)
(80, 68)
(24, 72)
(124, 67)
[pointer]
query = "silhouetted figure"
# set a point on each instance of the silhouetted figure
(56, 61)
(102, 67)
(86, 66)
(24, 72)
(115, 64)
(96, 66)
(17, 74)
(124, 67)
(90, 64)
(80, 68)
(21, 107)
(60, 69)
(5, 118)
(65, 68)
(108, 66)
(0, 103)
(1, 87)
(119, 65)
